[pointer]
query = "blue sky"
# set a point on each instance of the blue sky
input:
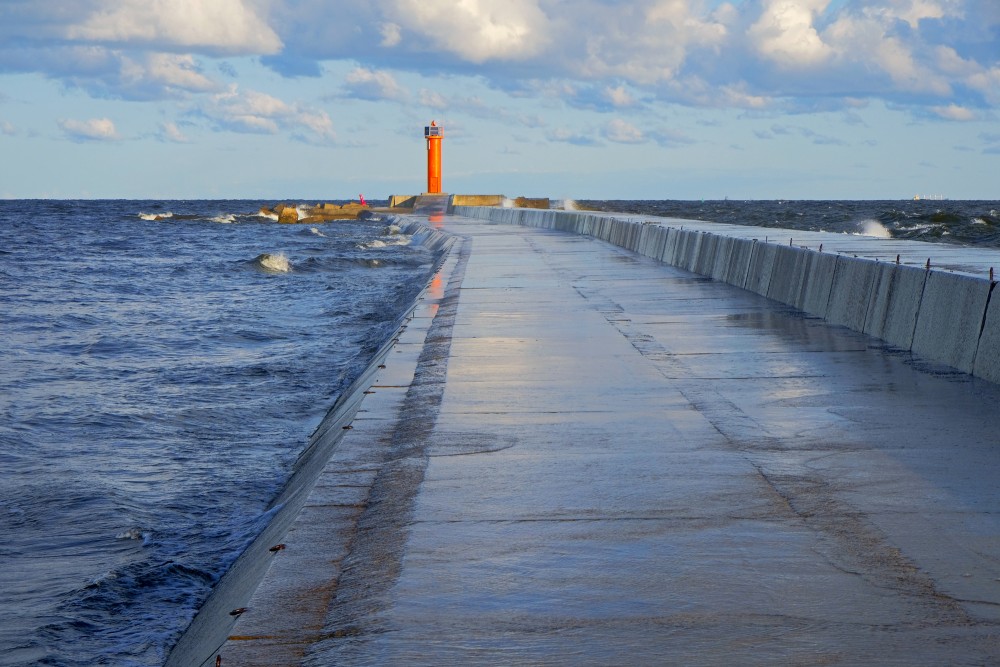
(623, 99)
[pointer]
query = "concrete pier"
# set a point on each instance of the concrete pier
(575, 453)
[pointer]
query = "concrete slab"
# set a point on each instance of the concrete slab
(600, 459)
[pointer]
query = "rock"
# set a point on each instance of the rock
(288, 215)
(526, 202)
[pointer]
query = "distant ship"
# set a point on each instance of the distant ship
(929, 197)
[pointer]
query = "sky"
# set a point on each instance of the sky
(582, 99)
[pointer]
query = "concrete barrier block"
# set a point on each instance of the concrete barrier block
(735, 271)
(802, 278)
(852, 293)
(708, 248)
(895, 302)
(987, 364)
(690, 242)
(669, 246)
(761, 267)
(950, 317)
(817, 283)
(786, 274)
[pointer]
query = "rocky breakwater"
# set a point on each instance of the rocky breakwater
(297, 213)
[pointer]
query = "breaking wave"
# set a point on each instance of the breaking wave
(273, 262)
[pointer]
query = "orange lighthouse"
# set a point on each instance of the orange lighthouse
(433, 133)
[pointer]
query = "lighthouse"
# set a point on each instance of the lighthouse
(433, 133)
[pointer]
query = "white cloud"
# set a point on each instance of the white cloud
(433, 99)
(476, 30)
(7, 129)
(621, 132)
(219, 26)
(954, 112)
(259, 113)
(169, 132)
(94, 129)
(785, 33)
(392, 34)
(619, 97)
(367, 84)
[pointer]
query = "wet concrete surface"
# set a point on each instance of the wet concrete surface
(586, 457)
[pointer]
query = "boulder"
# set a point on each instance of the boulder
(288, 215)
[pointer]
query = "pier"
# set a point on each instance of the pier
(600, 440)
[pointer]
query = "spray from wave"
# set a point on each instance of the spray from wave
(874, 228)
(155, 216)
(273, 262)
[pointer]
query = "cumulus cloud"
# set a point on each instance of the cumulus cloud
(954, 112)
(801, 55)
(621, 132)
(254, 112)
(785, 33)
(170, 133)
(392, 34)
(94, 129)
(475, 30)
(366, 84)
(219, 26)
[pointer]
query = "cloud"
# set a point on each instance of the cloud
(392, 35)
(7, 129)
(253, 112)
(219, 27)
(95, 129)
(474, 30)
(565, 135)
(954, 112)
(763, 55)
(785, 33)
(366, 84)
(621, 132)
(170, 133)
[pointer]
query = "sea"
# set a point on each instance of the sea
(163, 363)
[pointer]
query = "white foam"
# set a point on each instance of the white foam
(276, 262)
(569, 205)
(227, 219)
(156, 216)
(874, 228)
(269, 216)
(316, 231)
(130, 534)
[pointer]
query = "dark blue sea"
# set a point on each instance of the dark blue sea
(163, 363)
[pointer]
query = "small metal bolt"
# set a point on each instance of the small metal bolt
(237, 612)
(277, 547)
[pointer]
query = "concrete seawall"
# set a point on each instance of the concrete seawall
(944, 316)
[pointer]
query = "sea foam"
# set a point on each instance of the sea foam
(273, 262)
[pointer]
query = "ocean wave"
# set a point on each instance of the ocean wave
(155, 216)
(273, 262)
(874, 228)
(224, 218)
